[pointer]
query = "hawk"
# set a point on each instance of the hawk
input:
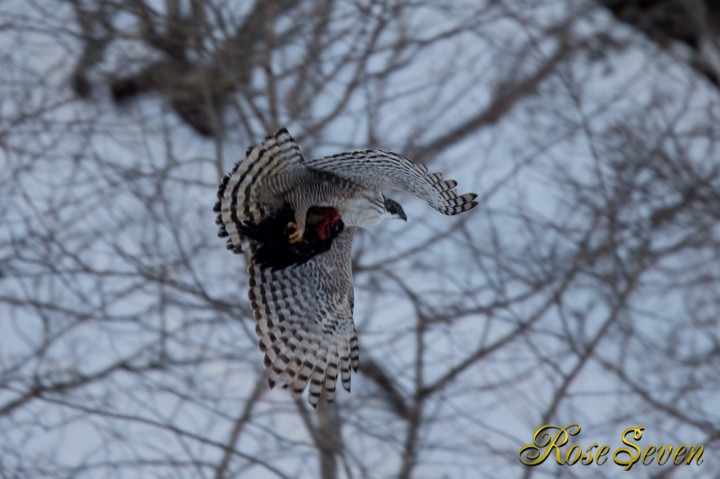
(296, 219)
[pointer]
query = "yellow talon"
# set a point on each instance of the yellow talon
(296, 235)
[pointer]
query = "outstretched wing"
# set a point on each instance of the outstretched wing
(253, 189)
(304, 320)
(383, 169)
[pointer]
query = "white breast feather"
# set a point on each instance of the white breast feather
(364, 211)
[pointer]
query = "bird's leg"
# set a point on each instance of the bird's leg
(295, 234)
(296, 228)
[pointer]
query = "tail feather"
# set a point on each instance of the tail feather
(302, 377)
(331, 374)
(317, 379)
(354, 352)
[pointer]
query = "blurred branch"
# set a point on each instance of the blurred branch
(504, 99)
(694, 24)
(97, 33)
(389, 390)
(242, 420)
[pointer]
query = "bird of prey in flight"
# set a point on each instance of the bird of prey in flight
(296, 219)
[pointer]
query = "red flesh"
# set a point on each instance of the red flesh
(331, 217)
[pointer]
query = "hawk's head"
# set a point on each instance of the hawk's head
(394, 209)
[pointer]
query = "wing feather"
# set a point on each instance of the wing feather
(378, 169)
(304, 320)
(251, 191)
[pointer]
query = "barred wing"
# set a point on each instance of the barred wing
(304, 320)
(253, 189)
(378, 169)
